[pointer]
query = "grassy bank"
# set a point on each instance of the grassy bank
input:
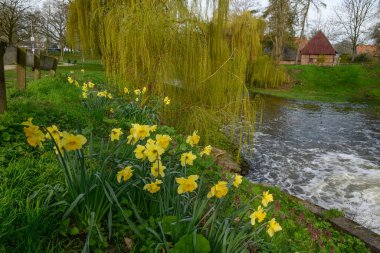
(346, 83)
(32, 184)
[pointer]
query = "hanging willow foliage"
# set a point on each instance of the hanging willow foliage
(201, 63)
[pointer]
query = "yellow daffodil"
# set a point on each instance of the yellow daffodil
(126, 91)
(163, 140)
(153, 128)
(53, 130)
(72, 142)
(188, 158)
(153, 187)
(131, 139)
(206, 151)
(219, 190)
(124, 174)
(259, 214)
(82, 70)
(102, 93)
(140, 132)
(84, 87)
(237, 180)
(153, 151)
(193, 139)
(31, 130)
(60, 148)
(139, 152)
(34, 135)
(110, 96)
(28, 122)
(84, 94)
(91, 84)
(143, 90)
(167, 101)
(273, 227)
(137, 92)
(158, 169)
(187, 184)
(115, 134)
(267, 198)
(70, 79)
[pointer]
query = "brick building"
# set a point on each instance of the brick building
(319, 51)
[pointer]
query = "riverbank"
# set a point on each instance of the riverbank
(345, 83)
(30, 182)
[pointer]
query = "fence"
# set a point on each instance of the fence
(22, 59)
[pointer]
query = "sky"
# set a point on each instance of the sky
(323, 15)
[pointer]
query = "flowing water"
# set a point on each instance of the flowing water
(326, 153)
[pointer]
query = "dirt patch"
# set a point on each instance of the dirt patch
(224, 160)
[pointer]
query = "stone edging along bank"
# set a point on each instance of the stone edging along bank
(371, 239)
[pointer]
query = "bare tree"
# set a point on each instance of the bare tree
(376, 33)
(239, 6)
(328, 26)
(52, 23)
(12, 14)
(305, 7)
(352, 16)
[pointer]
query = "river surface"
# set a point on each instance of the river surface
(326, 153)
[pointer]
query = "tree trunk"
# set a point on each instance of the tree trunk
(3, 93)
(302, 30)
(353, 52)
(62, 49)
(37, 66)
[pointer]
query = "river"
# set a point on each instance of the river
(326, 153)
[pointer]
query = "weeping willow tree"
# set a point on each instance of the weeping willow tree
(178, 49)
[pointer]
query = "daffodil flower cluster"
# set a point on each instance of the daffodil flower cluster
(260, 214)
(136, 95)
(149, 148)
(154, 162)
(221, 189)
(63, 140)
(88, 88)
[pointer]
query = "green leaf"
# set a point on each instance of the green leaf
(74, 231)
(167, 223)
(190, 244)
(110, 121)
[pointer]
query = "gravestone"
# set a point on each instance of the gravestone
(21, 69)
(10, 56)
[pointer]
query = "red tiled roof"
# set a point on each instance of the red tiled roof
(319, 44)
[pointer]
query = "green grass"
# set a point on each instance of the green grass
(345, 83)
(29, 223)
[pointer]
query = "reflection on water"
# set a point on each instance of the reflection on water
(326, 153)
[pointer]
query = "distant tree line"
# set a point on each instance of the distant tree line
(287, 22)
(354, 22)
(23, 24)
